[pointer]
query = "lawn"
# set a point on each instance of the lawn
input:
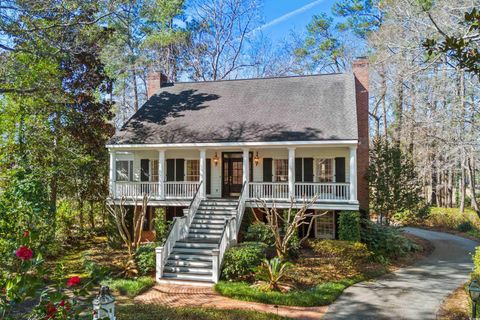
(153, 311)
(130, 287)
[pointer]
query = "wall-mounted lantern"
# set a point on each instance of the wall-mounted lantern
(256, 159)
(215, 159)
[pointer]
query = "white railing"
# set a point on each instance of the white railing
(268, 190)
(178, 230)
(229, 233)
(194, 204)
(181, 189)
(129, 189)
(322, 191)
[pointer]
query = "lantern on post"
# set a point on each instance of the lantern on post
(474, 292)
(104, 305)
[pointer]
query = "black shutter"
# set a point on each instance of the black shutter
(298, 170)
(339, 169)
(267, 170)
(308, 169)
(144, 170)
(209, 177)
(170, 169)
(179, 166)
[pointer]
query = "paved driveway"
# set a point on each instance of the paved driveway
(415, 292)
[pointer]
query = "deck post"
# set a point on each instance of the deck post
(161, 174)
(203, 173)
(159, 262)
(291, 173)
(353, 173)
(112, 173)
(246, 165)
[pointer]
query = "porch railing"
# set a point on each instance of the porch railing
(268, 190)
(129, 189)
(323, 191)
(181, 189)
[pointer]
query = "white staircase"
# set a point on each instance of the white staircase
(192, 258)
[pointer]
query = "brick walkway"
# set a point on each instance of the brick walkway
(187, 296)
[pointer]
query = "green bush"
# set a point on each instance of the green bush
(451, 218)
(260, 232)
(465, 226)
(343, 250)
(240, 262)
(161, 225)
(349, 226)
(385, 241)
(145, 259)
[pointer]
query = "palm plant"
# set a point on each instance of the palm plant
(270, 274)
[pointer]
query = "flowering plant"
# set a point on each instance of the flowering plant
(29, 280)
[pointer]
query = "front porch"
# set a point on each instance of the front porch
(325, 174)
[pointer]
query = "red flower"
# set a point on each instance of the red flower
(62, 303)
(51, 310)
(73, 281)
(26, 234)
(24, 253)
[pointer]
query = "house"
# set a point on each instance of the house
(206, 151)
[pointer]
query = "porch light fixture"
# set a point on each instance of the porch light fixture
(215, 159)
(474, 293)
(256, 159)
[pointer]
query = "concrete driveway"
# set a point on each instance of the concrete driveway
(414, 292)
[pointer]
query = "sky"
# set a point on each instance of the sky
(282, 16)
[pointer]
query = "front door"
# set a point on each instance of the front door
(232, 174)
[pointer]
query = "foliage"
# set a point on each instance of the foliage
(260, 232)
(362, 17)
(393, 183)
(270, 273)
(353, 252)
(240, 261)
(452, 219)
(465, 226)
(157, 311)
(145, 259)
(385, 241)
(130, 287)
(349, 226)
(476, 264)
(161, 225)
(413, 216)
(320, 295)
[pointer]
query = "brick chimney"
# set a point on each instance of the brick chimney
(155, 80)
(360, 71)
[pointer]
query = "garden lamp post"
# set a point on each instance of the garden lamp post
(474, 292)
(104, 305)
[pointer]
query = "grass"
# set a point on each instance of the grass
(154, 311)
(130, 287)
(319, 295)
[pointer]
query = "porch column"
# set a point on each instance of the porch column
(203, 172)
(161, 174)
(353, 173)
(112, 173)
(291, 172)
(246, 165)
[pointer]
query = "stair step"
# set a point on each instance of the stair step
(206, 226)
(212, 216)
(189, 270)
(192, 263)
(216, 221)
(196, 240)
(186, 256)
(204, 236)
(208, 245)
(177, 250)
(205, 231)
(188, 276)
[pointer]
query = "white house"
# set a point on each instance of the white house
(206, 151)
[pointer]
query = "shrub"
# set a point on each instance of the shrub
(161, 225)
(260, 232)
(240, 262)
(465, 226)
(451, 218)
(349, 226)
(476, 264)
(385, 241)
(145, 259)
(343, 250)
(271, 272)
(413, 216)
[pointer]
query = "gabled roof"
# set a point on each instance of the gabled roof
(303, 108)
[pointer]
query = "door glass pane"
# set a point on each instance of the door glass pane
(281, 170)
(326, 226)
(324, 170)
(124, 169)
(193, 170)
(154, 171)
(237, 172)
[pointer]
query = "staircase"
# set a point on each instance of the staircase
(191, 258)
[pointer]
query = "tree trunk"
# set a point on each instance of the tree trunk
(91, 215)
(462, 190)
(471, 179)
(80, 215)
(433, 181)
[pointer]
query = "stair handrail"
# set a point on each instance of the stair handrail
(178, 230)
(241, 207)
(226, 239)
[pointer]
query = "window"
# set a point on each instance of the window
(193, 170)
(324, 170)
(124, 170)
(154, 170)
(281, 170)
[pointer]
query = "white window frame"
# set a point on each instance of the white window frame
(334, 227)
(316, 175)
(130, 169)
(152, 166)
(274, 169)
(185, 173)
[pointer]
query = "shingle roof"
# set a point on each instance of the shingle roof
(303, 108)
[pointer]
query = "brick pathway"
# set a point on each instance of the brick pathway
(189, 296)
